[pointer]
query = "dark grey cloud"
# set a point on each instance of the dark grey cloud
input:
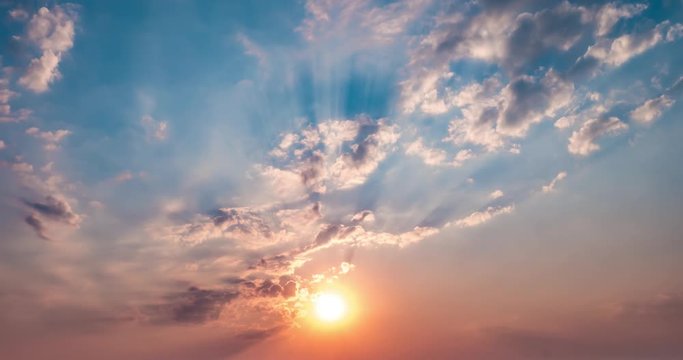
(559, 28)
(286, 286)
(54, 208)
(34, 222)
(193, 306)
(240, 220)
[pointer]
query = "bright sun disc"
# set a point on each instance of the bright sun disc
(329, 307)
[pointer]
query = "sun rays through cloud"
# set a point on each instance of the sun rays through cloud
(340, 179)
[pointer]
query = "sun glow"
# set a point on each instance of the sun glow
(329, 307)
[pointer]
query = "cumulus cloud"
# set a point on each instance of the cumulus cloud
(534, 34)
(480, 217)
(511, 40)
(651, 109)
(52, 31)
(583, 141)
(2, 145)
(528, 101)
(489, 116)
(611, 13)
(617, 51)
(332, 155)
(7, 115)
(551, 186)
(52, 139)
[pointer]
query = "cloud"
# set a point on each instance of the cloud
(534, 34)
(504, 37)
(2, 145)
(155, 129)
(252, 49)
(582, 141)
(55, 208)
(361, 24)
(18, 14)
(565, 122)
(245, 226)
(496, 194)
(332, 155)
(489, 116)
(611, 13)
(50, 138)
(651, 109)
(617, 51)
(551, 186)
(437, 157)
(528, 101)
(193, 306)
(480, 217)
(34, 222)
(52, 31)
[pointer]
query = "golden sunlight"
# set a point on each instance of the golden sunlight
(329, 307)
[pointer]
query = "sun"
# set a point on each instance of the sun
(329, 307)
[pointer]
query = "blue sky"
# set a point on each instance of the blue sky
(197, 172)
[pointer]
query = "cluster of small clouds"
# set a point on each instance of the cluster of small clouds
(51, 139)
(489, 113)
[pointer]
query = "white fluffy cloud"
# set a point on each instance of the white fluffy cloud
(489, 116)
(583, 141)
(52, 31)
(334, 154)
(611, 13)
(651, 109)
(615, 52)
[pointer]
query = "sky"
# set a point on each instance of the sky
(476, 179)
